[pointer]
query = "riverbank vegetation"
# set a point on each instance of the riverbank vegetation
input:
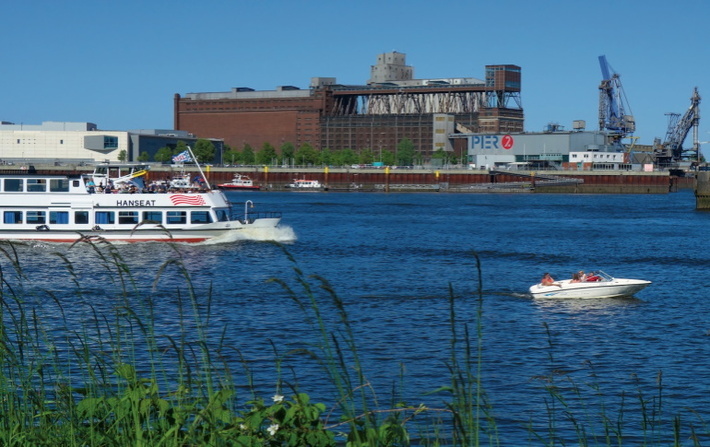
(119, 380)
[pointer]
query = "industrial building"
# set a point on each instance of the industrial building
(555, 149)
(390, 107)
(71, 142)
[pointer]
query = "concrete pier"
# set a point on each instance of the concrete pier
(702, 190)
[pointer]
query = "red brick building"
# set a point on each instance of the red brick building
(375, 116)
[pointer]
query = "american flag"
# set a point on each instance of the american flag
(186, 199)
(182, 157)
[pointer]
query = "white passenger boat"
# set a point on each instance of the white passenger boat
(115, 204)
(306, 185)
(597, 285)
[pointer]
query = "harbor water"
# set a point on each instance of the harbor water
(395, 259)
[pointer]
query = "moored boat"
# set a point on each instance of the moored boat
(61, 208)
(306, 185)
(240, 182)
(597, 285)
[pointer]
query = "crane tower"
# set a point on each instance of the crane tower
(613, 116)
(671, 151)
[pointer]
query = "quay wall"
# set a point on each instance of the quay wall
(455, 180)
(603, 182)
(702, 191)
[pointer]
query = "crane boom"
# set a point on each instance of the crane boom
(678, 130)
(613, 117)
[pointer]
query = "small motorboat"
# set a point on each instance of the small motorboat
(240, 182)
(306, 185)
(597, 285)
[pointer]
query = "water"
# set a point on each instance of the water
(392, 258)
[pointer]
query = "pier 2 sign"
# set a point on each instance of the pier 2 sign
(492, 142)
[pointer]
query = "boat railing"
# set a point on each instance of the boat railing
(252, 216)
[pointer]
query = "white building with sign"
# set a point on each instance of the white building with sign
(537, 150)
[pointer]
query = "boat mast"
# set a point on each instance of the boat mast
(199, 168)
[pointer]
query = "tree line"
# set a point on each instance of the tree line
(288, 154)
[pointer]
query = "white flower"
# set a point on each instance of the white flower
(278, 398)
(273, 428)
(242, 427)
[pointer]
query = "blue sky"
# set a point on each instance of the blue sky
(119, 63)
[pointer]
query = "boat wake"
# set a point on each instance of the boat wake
(283, 234)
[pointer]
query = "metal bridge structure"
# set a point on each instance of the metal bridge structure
(425, 100)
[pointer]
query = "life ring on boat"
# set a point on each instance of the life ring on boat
(42, 228)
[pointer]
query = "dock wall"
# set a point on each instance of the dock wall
(444, 180)
(702, 191)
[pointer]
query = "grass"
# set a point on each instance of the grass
(118, 381)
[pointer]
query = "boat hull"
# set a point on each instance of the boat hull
(229, 187)
(617, 287)
(142, 233)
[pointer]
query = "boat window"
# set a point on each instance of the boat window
(35, 217)
(128, 217)
(59, 185)
(81, 217)
(154, 217)
(13, 184)
(12, 217)
(222, 215)
(59, 217)
(198, 217)
(176, 217)
(36, 185)
(105, 217)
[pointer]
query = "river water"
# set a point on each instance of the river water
(392, 259)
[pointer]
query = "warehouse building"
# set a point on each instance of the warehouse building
(390, 107)
(55, 142)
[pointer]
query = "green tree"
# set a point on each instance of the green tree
(267, 155)
(248, 157)
(288, 153)
(326, 157)
(367, 156)
(405, 152)
(348, 157)
(164, 155)
(144, 156)
(122, 155)
(180, 147)
(387, 157)
(204, 151)
(445, 156)
(306, 155)
(232, 157)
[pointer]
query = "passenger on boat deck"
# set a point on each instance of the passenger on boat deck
(576, 278)
(593, 278)
(582, 275)
(91, 186)
(548, 280)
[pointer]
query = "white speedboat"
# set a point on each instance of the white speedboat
(113, 204)
(597, 285)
